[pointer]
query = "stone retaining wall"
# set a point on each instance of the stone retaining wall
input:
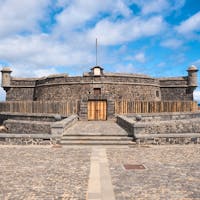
(27, 127)
(163, 129)
(145, 117)
(170, 126)
(35, 132)
(27, 139)
(25, 116)
(169, 140)
(59, 127)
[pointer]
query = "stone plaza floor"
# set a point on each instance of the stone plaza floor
(98, 172)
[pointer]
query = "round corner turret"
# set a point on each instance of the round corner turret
(192, 76)
(192, 68)
(6, 77)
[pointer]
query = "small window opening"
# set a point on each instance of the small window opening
(157, 94)
(97, 91)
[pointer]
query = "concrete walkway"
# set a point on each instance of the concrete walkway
(100, 184)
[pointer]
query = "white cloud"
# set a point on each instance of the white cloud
(159, 6)
(197, 62)
(2, 92)
(45, 72)
(128, 68)
(77, 13)
(35, 48)
(190, 25)
(172, 43)
(21, 16)
(161, 64)
(196, 95)
(140, 57)
(41, 50)
(178, 4)
(155, 6)
(112, 33)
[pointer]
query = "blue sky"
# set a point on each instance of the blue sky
(156, 37)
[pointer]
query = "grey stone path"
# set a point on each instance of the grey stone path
(96, 127)
(100, 184)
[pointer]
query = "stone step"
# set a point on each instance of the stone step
(95, 134)
(97, 138)
(88, 142)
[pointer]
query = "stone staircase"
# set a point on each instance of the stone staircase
(96, 133)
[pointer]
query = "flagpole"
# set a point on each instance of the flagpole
(96, 52)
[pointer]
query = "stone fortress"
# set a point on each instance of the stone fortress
(97, 93)
(108, 86)
(98, 85)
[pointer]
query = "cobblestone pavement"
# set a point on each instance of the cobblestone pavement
(43, 173)
(172, 173)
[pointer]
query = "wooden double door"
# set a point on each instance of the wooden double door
(97, 110)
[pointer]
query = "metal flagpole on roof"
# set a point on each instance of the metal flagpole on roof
(96, 52)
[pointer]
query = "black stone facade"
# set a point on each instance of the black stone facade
(115, 87)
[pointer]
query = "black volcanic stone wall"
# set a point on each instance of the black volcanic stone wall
(176, 94)
(134, 88)
(20, 94)
(114, 91)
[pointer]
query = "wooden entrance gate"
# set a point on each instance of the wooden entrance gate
(97, 110)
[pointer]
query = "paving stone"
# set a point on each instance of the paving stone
(172, 172)
(44, 173)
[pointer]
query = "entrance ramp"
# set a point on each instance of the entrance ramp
(96, 133)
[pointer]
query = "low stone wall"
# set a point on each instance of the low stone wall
(163, 116)
(25, 132)
(162, 129)
(31, 116)
(59, 127)
(37, 127)
(27, 139)
(27, 127)
(127, 123)
(162, 139)
(170, 126)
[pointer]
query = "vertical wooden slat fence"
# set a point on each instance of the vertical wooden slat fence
(121, 107)
(125, 107)
(63, 108)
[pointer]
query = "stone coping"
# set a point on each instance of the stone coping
(91, 82)
(28, 114)
(180, 78)
(169, 135)
(163, 122)
(27, 121)
(36, 136)
(59, 127)
(161, 116)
